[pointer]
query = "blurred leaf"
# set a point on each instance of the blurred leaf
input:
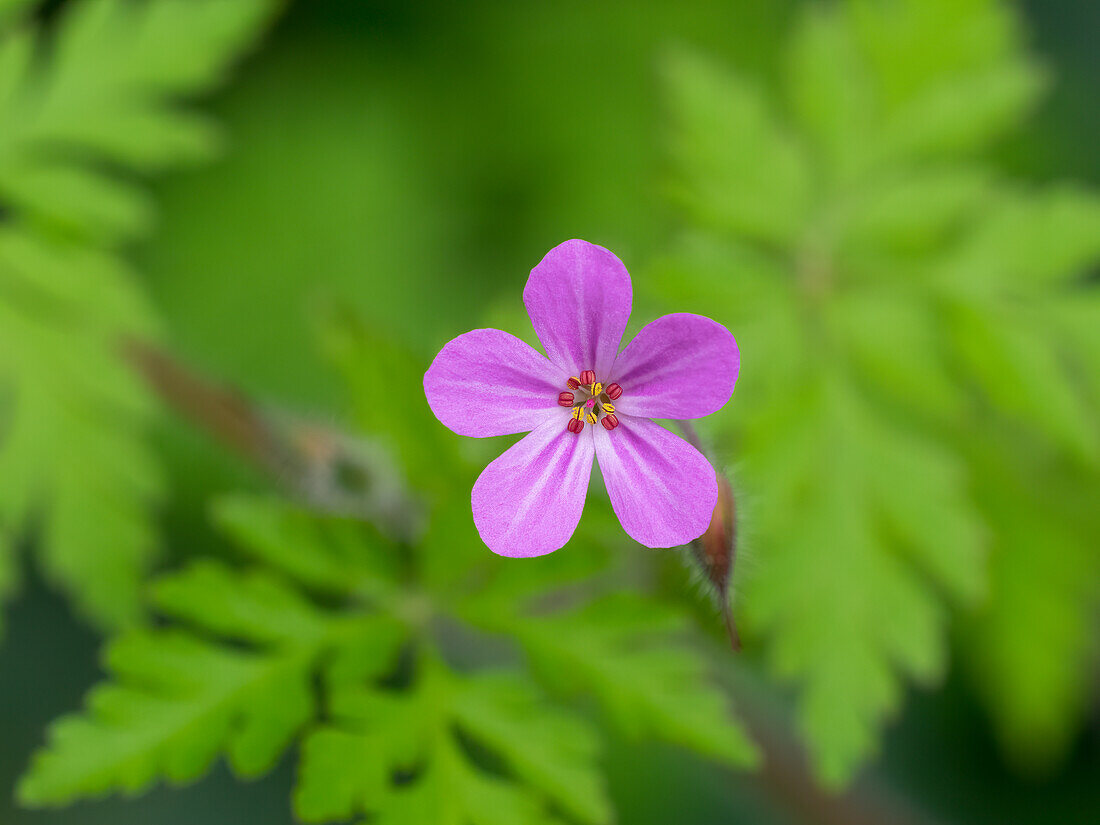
(344, 553)
(76, 120)
(761, 190)
(377, 369)
(848, 609)
(106, 95)
(909, 298)
(70, 430)
(1031, 644)
(623, 651)
(12, 9)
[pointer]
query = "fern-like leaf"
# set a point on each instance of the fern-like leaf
(80, 116)
(897, 295)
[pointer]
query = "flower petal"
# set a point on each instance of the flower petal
(679, 366)
(528, 501)
(579, 300)
(662, 489)
(488, 382)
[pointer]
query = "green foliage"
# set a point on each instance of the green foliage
(81, 113)
(322, 641)
(893, 297)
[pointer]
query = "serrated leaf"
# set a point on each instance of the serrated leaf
(624, 652)
(847, 613)
(348, 767)
(76, 120)
(72, 415)
(176, 703)
(913, 289)
(176, 700)
(551, 749)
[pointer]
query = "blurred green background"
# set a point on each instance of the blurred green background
(411, 162)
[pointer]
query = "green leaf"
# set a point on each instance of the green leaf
(107, 93)
(175, 704)
(1030, 648)
(912, 295)
(348, 767)
(176, 699)
(328, 553)
(761, 190)
(843, 596)
(551, 749)
(831, 93)
(1018, 365)
(76, 121)
(964, 113)
(624, 652)
(71, 417)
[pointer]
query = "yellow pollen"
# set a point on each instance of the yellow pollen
(591, 417)
(608, 408)
(597, 388)
(576, 412)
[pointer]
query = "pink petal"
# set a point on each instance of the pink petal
(679, 366)
(528, 501)
(662, 489)
(488, 382)
(579, 299)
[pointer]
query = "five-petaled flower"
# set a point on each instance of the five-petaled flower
(585, 399)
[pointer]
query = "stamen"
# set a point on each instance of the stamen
(609, 422)
(588, 377)
(608, 408)
(575, 426)
(573, 383)
(597, 388)
(565, 399)
(591, 417)
(613, 391)
(576, 413)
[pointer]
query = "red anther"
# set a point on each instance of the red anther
(575, 425)
(565, 399)
(609, 422)
(573, 383)
(613, 391)
(588, 377)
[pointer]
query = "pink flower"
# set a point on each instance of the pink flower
(585, 399)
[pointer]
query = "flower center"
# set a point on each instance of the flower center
(590, 401)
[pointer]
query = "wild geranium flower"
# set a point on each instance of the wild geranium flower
(585, 399)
